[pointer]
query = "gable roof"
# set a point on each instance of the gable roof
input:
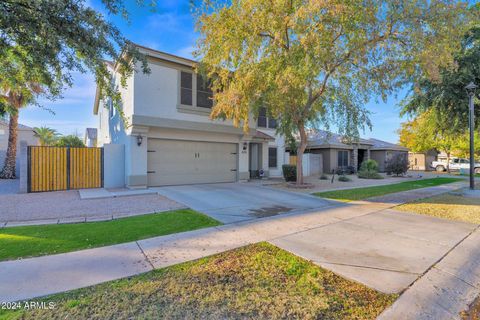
(384, 145)
(20, 126)
(326, 139)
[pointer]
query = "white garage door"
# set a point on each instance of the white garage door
(172, 162)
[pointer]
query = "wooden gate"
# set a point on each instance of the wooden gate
(64, 168)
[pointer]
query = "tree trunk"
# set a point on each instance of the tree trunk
(8, 171)
(300, 150)
(448, 162)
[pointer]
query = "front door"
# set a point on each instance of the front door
(255, 160)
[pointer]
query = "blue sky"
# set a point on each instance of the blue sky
(171, 29)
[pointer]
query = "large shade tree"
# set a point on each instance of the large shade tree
(63, 37)
(447, 93)
(313, 62)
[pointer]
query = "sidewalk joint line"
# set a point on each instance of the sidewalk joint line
(366, 267)
(455, 276)
(146, 258)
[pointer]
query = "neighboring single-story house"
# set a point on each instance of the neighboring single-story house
(90, 139)
(422, 160)
(24, 134)
(338, 152)
(382, 151)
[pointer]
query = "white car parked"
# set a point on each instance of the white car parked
(455, 164)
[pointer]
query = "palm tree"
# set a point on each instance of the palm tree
(17, 90)
(47, 136)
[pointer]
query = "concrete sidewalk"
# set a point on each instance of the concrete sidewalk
(447, 289)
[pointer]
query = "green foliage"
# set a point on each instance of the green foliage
(369, 170)
(323, 177)
(344, 178)
(446, 94)
(69, 141)
(316, 63)
(46, 136)
(430, 131)
(397, 164)
(369, 165)
(55, 39)
(289, 172)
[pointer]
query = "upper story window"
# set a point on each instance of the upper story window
(264, 121)
(195, 91)
(204, 93)
(186, 85)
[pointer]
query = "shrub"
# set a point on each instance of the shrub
(369, 170)
(344, 178)
(289, 172)
(323, 177)
(398, 164)
(69, 141)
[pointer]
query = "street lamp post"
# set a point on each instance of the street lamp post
(471, 124)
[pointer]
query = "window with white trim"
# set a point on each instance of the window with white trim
(195, 91)
(263, 121)
(204, 93)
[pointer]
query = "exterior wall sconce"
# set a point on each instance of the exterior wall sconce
(139, 140)
(244, 146)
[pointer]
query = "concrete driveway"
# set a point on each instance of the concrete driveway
(234, 202)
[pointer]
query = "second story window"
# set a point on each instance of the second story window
(264, 121)
(204, 93)
(195, 91)
(186, 92)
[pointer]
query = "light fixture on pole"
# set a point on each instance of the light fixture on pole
(471, 124)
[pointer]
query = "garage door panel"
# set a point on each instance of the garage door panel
(173, 162)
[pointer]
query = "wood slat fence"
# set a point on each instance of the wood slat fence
(64, 168)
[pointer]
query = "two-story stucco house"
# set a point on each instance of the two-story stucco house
(171, 140)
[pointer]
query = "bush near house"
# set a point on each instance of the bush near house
(397, 165)
(369, 170)
(289, 172)
(344, 178)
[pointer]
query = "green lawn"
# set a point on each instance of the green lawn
(28, 241)
(368, 192)
(258, 281)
